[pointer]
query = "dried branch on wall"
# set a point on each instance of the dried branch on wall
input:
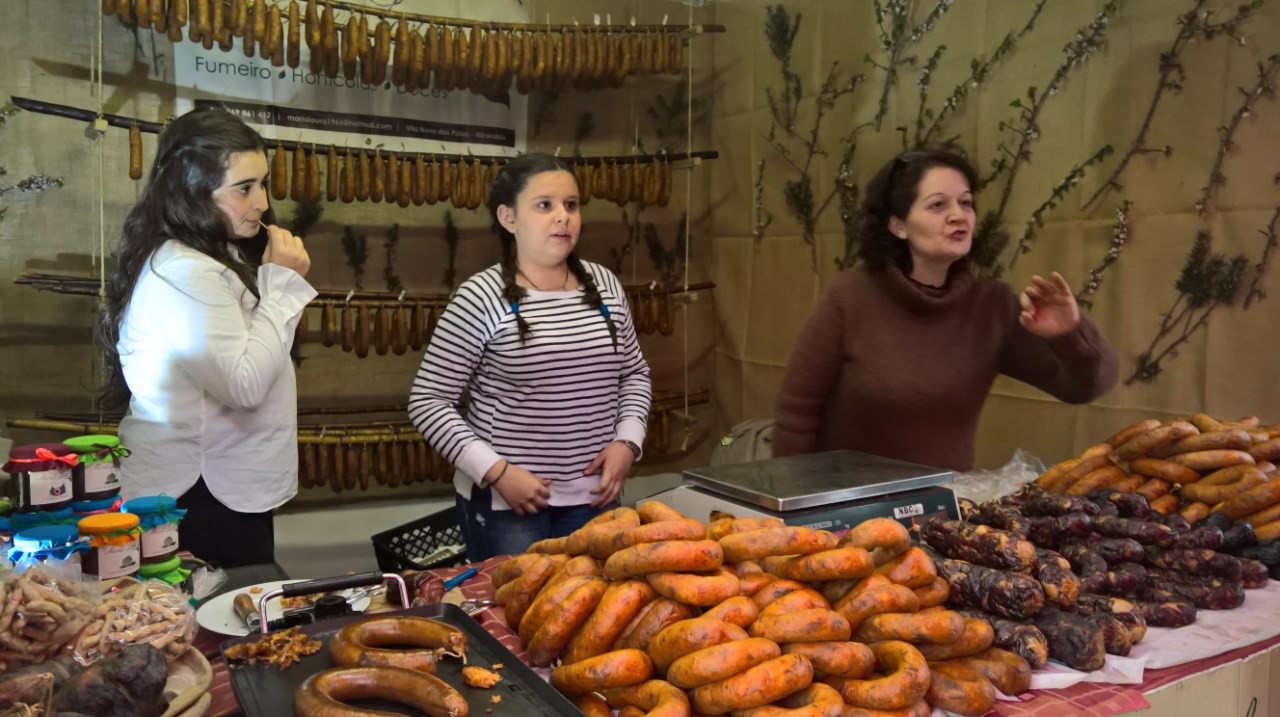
(1119, 238)
(451, 241)
(895, 38)
(545, 114)
(850, 210)
(1206, 282)
(922, 111)
(799, 193)
(978, 72)
(762, 216)
(30, 185)
(1264, 87)
(356, 248)
(1059, 192)
(668, 262)
(1196, 23)
(305, 216)
(389, 276)
(1255, 290)
(670, 116)
(990, 239)
(586, 125)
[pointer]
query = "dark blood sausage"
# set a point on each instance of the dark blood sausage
(1117, 550)
(1205, 593)
(1002, 517)
(1052, 531)
(1126, 579)
(1001, 592)
(1074, 640)
(1178, 522)
(979, 544)
(1238, 537)
(1161, 608)
(1020, 638)
(1202, 537)
(1200, 561)
(1143, 531)
(1115, 636)
(1041, 503)
(1126, 611)
(1083, 560)
(1253, 574)
(1061, 586)
(1128, 505)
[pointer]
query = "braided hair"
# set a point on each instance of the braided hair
(506, 187)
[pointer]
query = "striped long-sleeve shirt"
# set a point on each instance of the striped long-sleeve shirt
(549, 403)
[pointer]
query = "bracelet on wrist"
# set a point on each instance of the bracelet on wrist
(505, 465)
(635, 450)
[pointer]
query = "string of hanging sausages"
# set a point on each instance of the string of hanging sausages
(410, 178)
(422, 51)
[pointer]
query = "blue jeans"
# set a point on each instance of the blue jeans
(490, 532)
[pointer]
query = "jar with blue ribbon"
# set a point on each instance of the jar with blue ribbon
(49, 542)
(159, 516)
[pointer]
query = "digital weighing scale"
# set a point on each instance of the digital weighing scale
(831, 491)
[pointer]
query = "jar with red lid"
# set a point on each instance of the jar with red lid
(41, 476)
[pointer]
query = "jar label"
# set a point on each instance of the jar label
(101, 477)
(116, 561)
(160, 540)
(47, 487)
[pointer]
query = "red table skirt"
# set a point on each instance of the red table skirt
(1087, 699)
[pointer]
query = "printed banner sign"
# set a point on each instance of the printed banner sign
(296, 104)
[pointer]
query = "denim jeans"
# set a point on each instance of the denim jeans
(490, 532)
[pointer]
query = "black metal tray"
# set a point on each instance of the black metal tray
(267, 691)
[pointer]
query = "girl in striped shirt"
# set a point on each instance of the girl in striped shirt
(557, 391)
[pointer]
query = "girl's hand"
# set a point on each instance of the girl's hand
(613, 464)
(285, 249)
(525, 492)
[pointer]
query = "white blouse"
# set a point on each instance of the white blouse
(213, 386)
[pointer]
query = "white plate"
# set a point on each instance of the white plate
(218, 615)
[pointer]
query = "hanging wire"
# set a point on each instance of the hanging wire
(688, 236)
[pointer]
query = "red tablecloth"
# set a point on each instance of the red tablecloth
(1087, 699)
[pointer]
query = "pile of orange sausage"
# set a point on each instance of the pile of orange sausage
(461, 55)
(1195, 467)
(648, 611)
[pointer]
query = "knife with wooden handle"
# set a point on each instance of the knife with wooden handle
(247, 611)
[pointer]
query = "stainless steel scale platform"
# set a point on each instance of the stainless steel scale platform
(832, 491)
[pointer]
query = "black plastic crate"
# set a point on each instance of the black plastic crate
(399, 549)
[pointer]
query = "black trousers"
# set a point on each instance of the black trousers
(216, 534)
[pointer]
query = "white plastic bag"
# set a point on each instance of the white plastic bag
(982, 485)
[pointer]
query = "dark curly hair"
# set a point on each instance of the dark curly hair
(506, 188)
(890, 194)
(192, 155)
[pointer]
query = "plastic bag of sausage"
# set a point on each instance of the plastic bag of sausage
(983, 485)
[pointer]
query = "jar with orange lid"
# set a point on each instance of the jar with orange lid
(115, 549)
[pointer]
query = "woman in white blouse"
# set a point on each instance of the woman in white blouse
(197, 324)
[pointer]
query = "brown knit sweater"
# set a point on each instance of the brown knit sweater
(891, 367)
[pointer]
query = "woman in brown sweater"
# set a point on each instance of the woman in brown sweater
(901, 351)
